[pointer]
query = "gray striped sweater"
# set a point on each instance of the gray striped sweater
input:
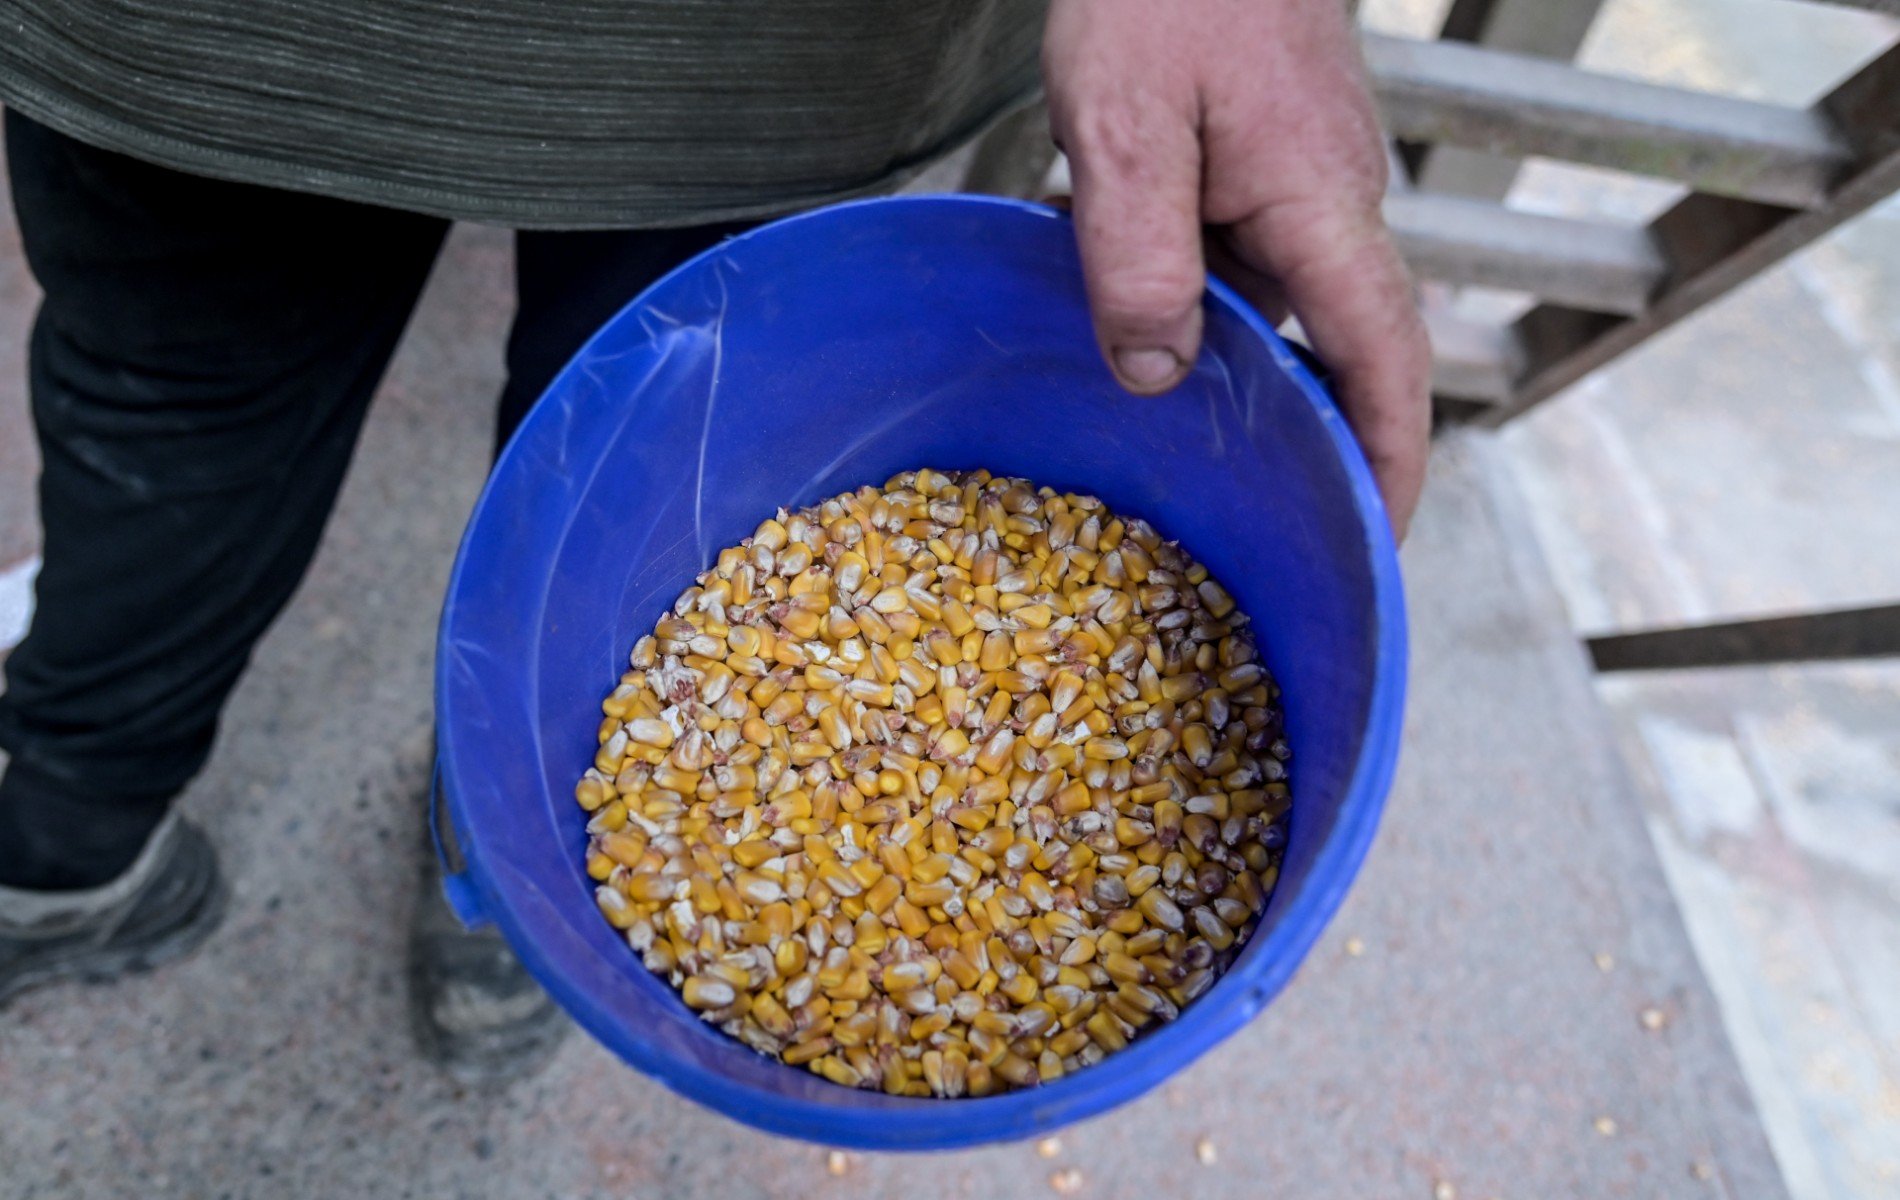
(550, 114)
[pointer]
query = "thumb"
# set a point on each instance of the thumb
(1137, 180)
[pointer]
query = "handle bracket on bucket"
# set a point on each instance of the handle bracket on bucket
(457, 888)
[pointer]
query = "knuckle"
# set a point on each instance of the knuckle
(1109, 141)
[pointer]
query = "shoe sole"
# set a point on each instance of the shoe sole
(104, 964)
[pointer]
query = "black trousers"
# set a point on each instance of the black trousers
(199, 371)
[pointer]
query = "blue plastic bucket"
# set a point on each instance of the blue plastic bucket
(816, 354)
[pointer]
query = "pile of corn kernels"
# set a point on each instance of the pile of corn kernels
(942, 788)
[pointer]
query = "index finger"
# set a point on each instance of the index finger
(1137, 183)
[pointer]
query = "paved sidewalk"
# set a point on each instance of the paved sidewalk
(1472, 1039)
(1748, 463)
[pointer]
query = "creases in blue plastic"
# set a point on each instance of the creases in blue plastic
(835, 349)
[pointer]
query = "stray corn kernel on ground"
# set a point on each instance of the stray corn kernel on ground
(943, 788)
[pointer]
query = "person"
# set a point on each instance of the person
(231, 207)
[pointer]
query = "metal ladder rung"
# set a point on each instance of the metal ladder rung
(1518, 105)
(1471, 360)
(1585, 264)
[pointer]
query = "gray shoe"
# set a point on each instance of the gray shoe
(476, 1011)
(161, 908)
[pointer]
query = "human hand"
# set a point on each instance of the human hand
(1239, 133)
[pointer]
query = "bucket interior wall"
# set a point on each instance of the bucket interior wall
(799, 362)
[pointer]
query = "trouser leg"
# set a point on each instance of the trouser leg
(199, 370)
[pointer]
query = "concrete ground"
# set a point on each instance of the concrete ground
(1474, 1039)
(1740, 465)
(1745, 467)
(1746, 464)
(1473, 1025)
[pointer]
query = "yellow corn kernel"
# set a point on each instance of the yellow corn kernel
(1211, 927)
(1068, 1042)
(1079, 950)
(973, 818)
(855, 986)
(866, 871)
(1106, 1032)
(754, 852)
(879, 897)
(1125, 968)
(924, 1027)
(943, 837)
(995, 751)
(956, 618)
(648, 887)
(929, 895)
(1124, 921)
(801, 1053)
(791, 956)
(1160, 910)
(701, 991)
(997, 709)
(1020, 988)
(910, 918)
(959, 968)
(625, 847)
(837, 1070)
(599, 866)
(592, 794)
(997, 653)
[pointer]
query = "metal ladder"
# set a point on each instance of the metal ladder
(1764, 180)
